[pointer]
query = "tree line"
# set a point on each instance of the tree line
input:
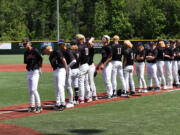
(130, 19)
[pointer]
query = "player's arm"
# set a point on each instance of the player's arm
(73, 60)
(25, 60)
(108, 60)
(124, 61)
(64, 63)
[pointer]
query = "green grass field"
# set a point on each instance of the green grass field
(150, 115)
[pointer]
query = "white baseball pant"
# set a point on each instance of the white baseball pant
(140, 74)
(128, 76)
(152, 74)
(117, 68)
(106, 74)
(168, 69)
(83, 82)
(72, 79)
(160, 72)
(175, 71)
(59, 76)
(91, 79)
(32, 81)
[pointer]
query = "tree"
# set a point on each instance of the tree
(153, 21)
(101, 20)
(119, 22)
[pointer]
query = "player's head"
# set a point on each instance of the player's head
(128, 44)
(152, 45)
(161, 44)
(178, 42)
(47, 50)
(73, 45)
(62, 45)
(167, 43)
(116, 38)
(26, 43)
(80, 39)
(105, 39)
(140, 46)
(173, 43)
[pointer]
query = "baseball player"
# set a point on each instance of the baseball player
(106, 65)
(60, 69)
(33, 60)
(92, 68)
(83, 69)
(160, 63)
(140, 58)
(75, 70)
(178, 56)
(117, 52)
(168, 64)
(128, 67)
(70, 59)
(175, 63)
(151, 59)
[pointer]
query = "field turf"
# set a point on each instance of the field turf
(149, 115)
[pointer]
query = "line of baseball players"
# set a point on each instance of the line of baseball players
(75, 67)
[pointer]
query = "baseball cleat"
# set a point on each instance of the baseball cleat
(94, 98)
(81, 101)
(150, 88)
(145, 90)
(61, 108)
(87, 100)
(164, 87)
(31, 109)
(69, 105)
(76, 102)
(140, 90)
(157, 89)
(38, 109)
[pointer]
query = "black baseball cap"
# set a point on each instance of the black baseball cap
(61, 42)
(140, 44)
(25, 41)
(73, 42)
(152, 43)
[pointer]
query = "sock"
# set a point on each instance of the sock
(76, 93)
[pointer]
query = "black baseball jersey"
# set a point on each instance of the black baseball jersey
(32, 58)
(68, 56)
(129, 56)
(106, 51)
(83, 54)
(91, 55)
(140, 54)
(76, 56)
(55, 59)
(161, 52)
(154, 53)
(175, 53)
(117, 52)
(168, 51)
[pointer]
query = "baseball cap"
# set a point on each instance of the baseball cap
(107, 37)
(61, 42)
(25, 41)
(152, 43)
(166, 41)
(139, 44)
(73, 42)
